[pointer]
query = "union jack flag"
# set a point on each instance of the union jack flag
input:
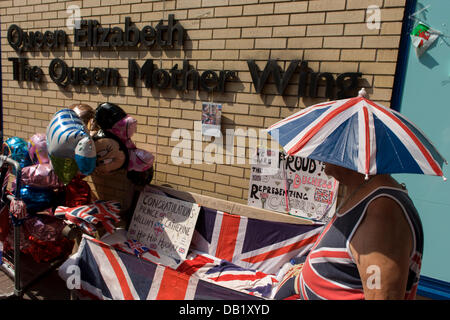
(106, 273)
(88, 216)
(230, 257)
(252, 243)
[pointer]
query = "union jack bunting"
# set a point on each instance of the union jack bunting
(106, 273)
(136, 248)
(83, 225)
(252, 243)
(88, 216)
(119, 241)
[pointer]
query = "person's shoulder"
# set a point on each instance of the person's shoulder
(385, 214)
(385, 204)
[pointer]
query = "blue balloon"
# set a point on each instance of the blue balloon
(37, 199)
(17, 149)
(68, 138)
(85, 164)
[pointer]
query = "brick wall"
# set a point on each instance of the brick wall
(332, 35)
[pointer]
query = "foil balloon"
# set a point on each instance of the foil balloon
(65, 168)
(37, 199)
(40, 176)
(78, 192)
(107, 114)
(114, 121)
(111, 153)
(37, 149)
(85, 155)
(44, 228)
(70, 146)
(17, 149)
(85, 112)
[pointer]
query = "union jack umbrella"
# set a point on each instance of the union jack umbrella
(360, 135)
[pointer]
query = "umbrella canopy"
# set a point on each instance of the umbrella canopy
(361, 135)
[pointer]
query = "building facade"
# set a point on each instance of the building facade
(261, 60)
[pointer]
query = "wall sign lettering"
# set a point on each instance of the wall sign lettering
(91, 34)
(63, 75)
(282, 80)
(24, 72)
(177, 79)
(21, 40)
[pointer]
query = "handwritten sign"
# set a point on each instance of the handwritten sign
(276, 178)
(164, 224)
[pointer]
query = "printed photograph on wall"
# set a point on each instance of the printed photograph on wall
(211, 119)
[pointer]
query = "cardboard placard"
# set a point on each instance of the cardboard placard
(276, 177)
(164, 224)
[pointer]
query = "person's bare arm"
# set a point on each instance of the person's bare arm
(381, 247)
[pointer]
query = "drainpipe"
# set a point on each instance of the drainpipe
(402, 57)
(1, 90)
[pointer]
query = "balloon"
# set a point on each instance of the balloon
(37, 149)
(112, 154)
(140, 160)
(70, 145)
(107, 114)
(37, 199)
(40, 176)
(113, 120)
(44, 228)
(65, 168)
(140, 178)
(78, 192)
(85, 155)
(85, 112)
(17, 149)
(124, 129)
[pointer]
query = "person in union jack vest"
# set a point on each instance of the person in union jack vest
(371, 248)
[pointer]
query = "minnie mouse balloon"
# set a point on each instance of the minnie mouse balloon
(70, 146)
(113, 120)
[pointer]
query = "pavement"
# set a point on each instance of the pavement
(40, 281)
